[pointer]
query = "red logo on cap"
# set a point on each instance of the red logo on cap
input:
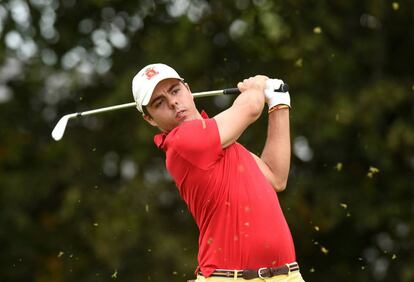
(150, 73)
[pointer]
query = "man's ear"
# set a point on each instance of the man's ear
(150, 120)
(188, 87)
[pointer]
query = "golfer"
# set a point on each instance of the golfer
(230, 192)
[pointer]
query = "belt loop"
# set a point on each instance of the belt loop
(235, 275)
(288, 266)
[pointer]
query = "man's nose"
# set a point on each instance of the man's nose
(172, 102)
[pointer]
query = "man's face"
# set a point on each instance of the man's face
(171, 104)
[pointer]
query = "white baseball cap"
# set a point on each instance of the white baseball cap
(145, 81)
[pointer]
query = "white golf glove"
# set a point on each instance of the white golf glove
(276, 98)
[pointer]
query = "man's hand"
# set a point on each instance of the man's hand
(276, 98)
(257, 82)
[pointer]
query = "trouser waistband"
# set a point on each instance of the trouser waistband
(263, 272)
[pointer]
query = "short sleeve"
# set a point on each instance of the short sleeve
(198, 142)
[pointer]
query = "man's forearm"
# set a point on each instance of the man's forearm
(276, 152)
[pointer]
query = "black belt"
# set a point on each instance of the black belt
(263, 272)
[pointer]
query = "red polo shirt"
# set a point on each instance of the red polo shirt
(236, 209)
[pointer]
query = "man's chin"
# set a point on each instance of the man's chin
(188, 118)
(182, 119)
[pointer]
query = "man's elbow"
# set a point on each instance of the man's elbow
(280, 185)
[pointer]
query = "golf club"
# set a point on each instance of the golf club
(60, 127)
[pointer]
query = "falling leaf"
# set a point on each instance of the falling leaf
(95, 224)
(175, 273)
(343, 205)
(312, 270)
(299, 63)
(317, 30)
(324, 250)
(338, 166)
(147, 208)
(115, 274)
(372, 170)
(60, 254)
(394, 256)
(316, 228)
(395, 6)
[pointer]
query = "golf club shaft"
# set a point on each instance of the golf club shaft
(227, 91)
(133, 104)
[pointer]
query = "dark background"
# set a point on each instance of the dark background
(99, 206)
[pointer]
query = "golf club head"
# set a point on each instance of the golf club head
(60, 127)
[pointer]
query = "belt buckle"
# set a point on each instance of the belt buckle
(259, 272)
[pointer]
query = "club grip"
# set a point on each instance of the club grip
(283, 88)
(235, 91)
(231, 91)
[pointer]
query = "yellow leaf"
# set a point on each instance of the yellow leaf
(395, 6)
(317, 30)
(299, 63)
(339, 166)
(324, 250)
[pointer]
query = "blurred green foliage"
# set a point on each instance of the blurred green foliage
(99, 205)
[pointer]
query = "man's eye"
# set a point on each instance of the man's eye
(175, 90)
(158, 103)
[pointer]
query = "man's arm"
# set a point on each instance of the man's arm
(275, 159)
(246, 108)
